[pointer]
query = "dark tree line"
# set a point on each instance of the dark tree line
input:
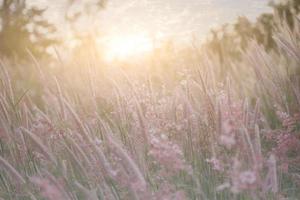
(23, 29)
(229, 40)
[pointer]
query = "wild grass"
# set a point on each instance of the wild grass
(195, 133)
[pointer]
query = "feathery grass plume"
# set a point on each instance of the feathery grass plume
(37, 65)
(249, 142)
(296, 90)
(288, 44)
(100, 155)
(140, 113)
(258, 148)
(4, 134)
(79, 123)
(271, 180)
(129, 164)
(32, 197)
(118, 148)
(26, 112)
(40, 145)
(77, 148)
(58, 184)
(76, 160)
(88, 194)
(7, 82)
(12, 171)
(42, 115)
(4, 107)
(48, 189)
(142, 123)
(103, 161)
(60, 99)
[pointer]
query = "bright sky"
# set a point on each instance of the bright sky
(161, 17)
(128, 25)
(178, 17)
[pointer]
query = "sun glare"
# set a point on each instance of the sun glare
(124, 47)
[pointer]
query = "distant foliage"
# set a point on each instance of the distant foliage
(23, 28)
(231, 39)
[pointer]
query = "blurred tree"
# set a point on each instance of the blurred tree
(88, 7)
(85, 40)
(225, 45)
(243, 28)
(23, 28)
(263, 31)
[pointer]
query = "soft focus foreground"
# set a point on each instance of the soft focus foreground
(189, 128)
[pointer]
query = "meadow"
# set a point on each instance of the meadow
(177, 125)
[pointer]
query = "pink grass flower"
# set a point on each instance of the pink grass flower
(216, 164)
(167, 154)
(48, 190)
(227, 140)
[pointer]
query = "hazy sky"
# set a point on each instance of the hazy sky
(178, 17)
(175, 18)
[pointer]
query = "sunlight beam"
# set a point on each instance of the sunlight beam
(123, 47)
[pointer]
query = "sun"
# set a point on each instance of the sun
(124, 47)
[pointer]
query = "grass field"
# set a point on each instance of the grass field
(186, 127)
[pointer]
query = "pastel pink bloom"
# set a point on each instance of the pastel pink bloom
(3, 134)
(216, 164)
(244, 180)
(47, 189)
(247, 177)
(168, 192)
(167, 154)
(227, 126)
(282, 115)
(227, 140)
